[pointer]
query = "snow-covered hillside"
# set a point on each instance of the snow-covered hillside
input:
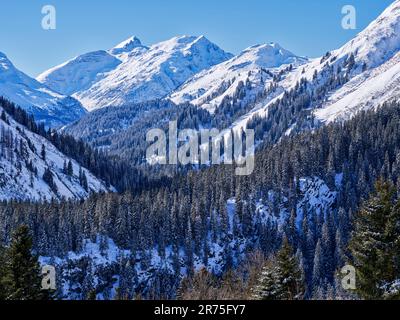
(133, 73)
(46, 105)
(372, 78)
(80, 73)
(257, 65)
(23, 166)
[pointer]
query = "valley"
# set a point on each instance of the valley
(88, 166)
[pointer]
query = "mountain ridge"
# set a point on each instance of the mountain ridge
(50, 107)
(141, 74)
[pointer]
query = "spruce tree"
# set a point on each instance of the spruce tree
(268, 286)
(375, 242)
(70, 169)
(22, 280)
(281, 278)
(290, 273)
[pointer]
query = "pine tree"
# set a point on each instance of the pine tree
(48, 178)
(22, 278)
(375, 242)
(70, 169)
(43, 152)
(269, 286)
(83, 179)
(281, 278)
(290, 273)
(318, 268)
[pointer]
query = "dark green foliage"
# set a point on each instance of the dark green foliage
(20, 276)
(48, 178)
(282, 277)
(375, 245)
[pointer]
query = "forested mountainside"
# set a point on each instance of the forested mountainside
(360, 75)
(122, 130)
(33, 168)
(112, 171)
(305, 189)
(256, 67)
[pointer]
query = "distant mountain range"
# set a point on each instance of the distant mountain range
(133, 73)
(272, 90)
(362, 74)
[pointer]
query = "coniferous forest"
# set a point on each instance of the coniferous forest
(315, 203)
(127, 172)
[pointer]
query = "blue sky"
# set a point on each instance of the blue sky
(305, 27)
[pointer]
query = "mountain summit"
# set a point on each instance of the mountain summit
(133, 73)
(379, 41)
(126, 46)
(255, 65)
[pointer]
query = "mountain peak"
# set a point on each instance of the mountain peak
(269, 55)
(127, 45)
(379, 41)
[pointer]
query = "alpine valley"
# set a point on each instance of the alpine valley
(324, 192)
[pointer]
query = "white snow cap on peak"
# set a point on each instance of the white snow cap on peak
(268, 55)
(127, 45)
(379, 41)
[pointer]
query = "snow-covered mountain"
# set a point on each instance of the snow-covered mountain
(23, 165)
(256, 65)
(300, 93)
(80, 73)
(377, 49)
(45, 104)
(366, 70)
(133, 73)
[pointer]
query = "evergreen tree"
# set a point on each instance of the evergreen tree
(70, 169)
(290, 273)
(375, 243)
(22, 280)
(43, 152)
(282, 278)
(48, 178)
(269, 286)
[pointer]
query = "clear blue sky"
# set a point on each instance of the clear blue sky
(306, 27)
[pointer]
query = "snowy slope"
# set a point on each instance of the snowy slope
(46, 105)
(378, 47)
(208, 88)
(80, 73)
(363, 92)
(372, 81)
(133, 73)
(17, 181)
